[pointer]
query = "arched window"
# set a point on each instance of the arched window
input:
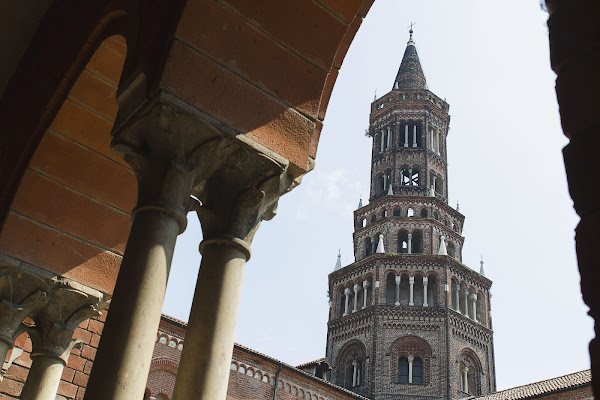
(403, 370)
(390, 289)
(417, 370)
(417, 242)
(451, 249)
(470, 371)
(368, 246)
(396, 212)
(423, 213)
(410, 213)
(384, 214)
(403, 241)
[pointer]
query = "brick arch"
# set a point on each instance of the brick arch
(469, 354)
(354, 349)
(166, 364)
(411, 345)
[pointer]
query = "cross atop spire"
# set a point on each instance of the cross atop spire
(410, 74)
(411, 31)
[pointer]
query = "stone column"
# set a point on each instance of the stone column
(356, 290)
(465, 378)
(410, 368)
(474, 302)
(52, 338)
(347, 293)
(233, 204)
(466, 298)
(411, 282)
(389, 138)
(355, 376)
(409, 243)
(398, 278)
(425, 281)
(365, 287)
(21, 295)
(410, 175)
(458, 299)
(172, 153)
(382, 141)
(414, 136)
(406, 135)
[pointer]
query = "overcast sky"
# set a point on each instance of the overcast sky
(490, 61)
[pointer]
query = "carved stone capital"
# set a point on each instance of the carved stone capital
(54, 325)
(21, 295)
(176, 154)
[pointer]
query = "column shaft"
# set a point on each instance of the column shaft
(425, 281)
(398, 278)
(382, 141)
(474, 298)
(123, 359)
(406, 135)
(347, 301)
(356, 290)
(466, 304)
(410, 369)
(415, 136)
(457, 299)
(411, 282)
(409, 243)
(204, 366)
(43, 378)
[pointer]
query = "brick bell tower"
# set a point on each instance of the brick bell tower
(407, 319)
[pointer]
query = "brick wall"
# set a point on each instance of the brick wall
(76, 372)
(252, 375)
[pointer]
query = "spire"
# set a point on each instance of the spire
(443, 251)
(360, 202)
(410, 74)
(338, 264)
(380, 249)
(457, 206)
(481, 270)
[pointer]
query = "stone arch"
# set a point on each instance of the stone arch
(415, 346)
(354, 351)
(470, 371)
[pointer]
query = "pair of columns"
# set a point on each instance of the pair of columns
(57, 307)
(411, 283)
(434, 141)
(466, 296)
(406, 133)
(235, 184)
(386, 139)
(356, 288)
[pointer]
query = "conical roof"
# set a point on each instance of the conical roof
(410, 74)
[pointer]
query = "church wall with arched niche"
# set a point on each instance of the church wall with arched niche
(477, 353)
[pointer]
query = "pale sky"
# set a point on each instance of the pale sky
(490, 61)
